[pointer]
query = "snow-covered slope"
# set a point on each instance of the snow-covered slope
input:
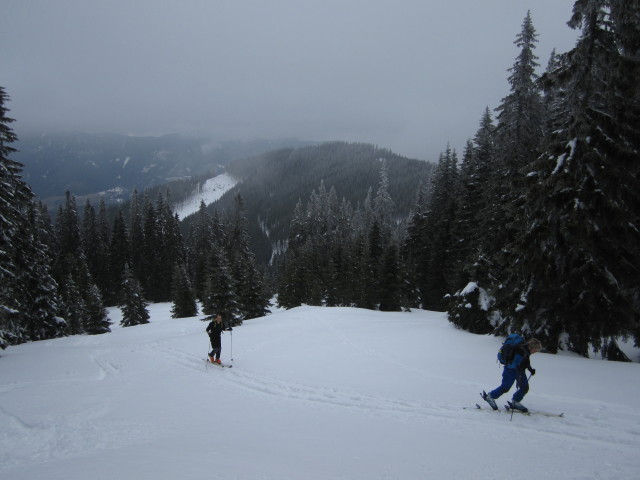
(211, 191)
(314, 393)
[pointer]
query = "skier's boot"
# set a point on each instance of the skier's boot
(218, 361)
(489, 399)
(518, 406)
(211, 359)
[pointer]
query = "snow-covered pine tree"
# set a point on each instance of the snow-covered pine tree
(136, 237)
(359, 274)
(579, 255)
(436, 267)
(341, 258)
(251, 297)
(119, 259)
(150, 255)
(411, 252)
(219, 295)
(513, 144)
(469, 230)
(28, 301)
(170, 247)
(291, 288)
(97, 320)
(199, 243)
(518, 140)
(35, 286)
(373, 267)
(390, 294)
(94, 234)
(103, 238)
(68, 228)
(465, 224)
(475, 178)
(383, 206)
(134, 306)
(74, 307)
(182, 294)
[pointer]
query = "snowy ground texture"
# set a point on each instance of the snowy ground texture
(314, 393)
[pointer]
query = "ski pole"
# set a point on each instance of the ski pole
(207, 358)
(231, 332)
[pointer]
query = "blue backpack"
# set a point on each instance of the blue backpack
(508, 349)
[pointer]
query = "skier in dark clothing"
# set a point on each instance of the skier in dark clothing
(214, 329)
(515, 371)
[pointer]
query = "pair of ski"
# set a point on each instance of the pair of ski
(509, 408)
(221, 365)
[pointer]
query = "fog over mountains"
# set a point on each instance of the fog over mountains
(88, 164)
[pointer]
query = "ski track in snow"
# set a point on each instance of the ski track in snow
(594, 427)
(94, 366)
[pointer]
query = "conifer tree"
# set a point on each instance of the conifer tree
(101, 250)
(390, 293)
(182, 294)
(413, 253)
(118, 259)
(383, 205)
(150, 255)
(372, 284)
(35, 287)
(97, 320)
(251, 297)
(170, 248)
(136, 243)
(491, 207)
(219, 295)
(74, 307)
(292, 289)
(518, 140)
(430, 242)
(134, 306)
(28, 301)
(473, 200)
(68, 228)
(94, 236)
(200, 242)
(578, 257)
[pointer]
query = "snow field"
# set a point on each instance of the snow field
(315, 393)
(211, 191)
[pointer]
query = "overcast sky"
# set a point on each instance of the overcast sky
(408, 75)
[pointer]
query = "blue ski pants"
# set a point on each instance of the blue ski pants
(510, 375)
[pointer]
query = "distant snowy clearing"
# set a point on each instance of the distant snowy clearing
(314, 393)
(210, 191)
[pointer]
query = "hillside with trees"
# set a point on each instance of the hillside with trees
(276, 181)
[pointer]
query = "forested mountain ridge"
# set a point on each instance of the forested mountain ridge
(113, 165)
(273, 183)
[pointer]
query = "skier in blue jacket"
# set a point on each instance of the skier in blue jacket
(515, 371)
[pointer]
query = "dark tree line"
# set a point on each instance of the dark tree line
(338, 255)
(278, 179)
(56, 278)
(546, 228)
(537, 230)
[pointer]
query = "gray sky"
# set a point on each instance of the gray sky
(408, 75)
